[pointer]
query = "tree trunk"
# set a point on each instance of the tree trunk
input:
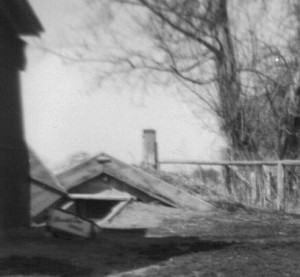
(228, 77)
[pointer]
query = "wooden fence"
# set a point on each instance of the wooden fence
(280, 184)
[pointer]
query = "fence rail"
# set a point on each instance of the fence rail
(260, 186)
(280, 164)
(237, 163)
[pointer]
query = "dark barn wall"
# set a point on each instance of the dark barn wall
(14, 167)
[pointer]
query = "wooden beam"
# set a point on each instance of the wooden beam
(116, 210)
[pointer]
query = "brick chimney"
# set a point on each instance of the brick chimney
(150, 159)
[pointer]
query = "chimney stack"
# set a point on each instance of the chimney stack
(150, 159)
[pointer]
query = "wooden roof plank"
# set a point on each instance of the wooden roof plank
(133, 177)
(154, 186)
(42, 175)
(45, 188)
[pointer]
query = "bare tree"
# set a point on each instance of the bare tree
(250, 85)
(192, 43)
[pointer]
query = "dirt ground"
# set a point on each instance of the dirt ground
(166, 242)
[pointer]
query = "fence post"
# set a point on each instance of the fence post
(228, 179)
(253, 187)
(280, 186)
(268, 183)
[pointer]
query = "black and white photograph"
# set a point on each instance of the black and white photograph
(149, 138)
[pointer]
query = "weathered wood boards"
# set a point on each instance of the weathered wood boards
(133, 180)
(62, 221)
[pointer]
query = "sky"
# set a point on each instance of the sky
(64, 113)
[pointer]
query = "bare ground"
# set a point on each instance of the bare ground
(232, 242)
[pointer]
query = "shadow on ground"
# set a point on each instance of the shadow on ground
(39, 266)
(60, 257)
(165, 248)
